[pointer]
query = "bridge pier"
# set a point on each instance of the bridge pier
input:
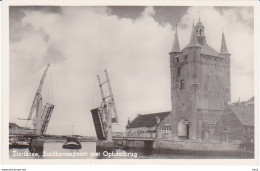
(104, 145)
(130, 143)
(121, 144)
(148, 144)
(36, 145)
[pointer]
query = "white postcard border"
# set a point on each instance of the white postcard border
(5, 81)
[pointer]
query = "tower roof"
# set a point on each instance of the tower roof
(199, 24)
(223, 49)
(176, 45)
(204, 47)
(193, 39)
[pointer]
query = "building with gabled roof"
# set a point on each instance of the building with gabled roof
(13, 125)
(15, 129)
(236, 123)
(153, 125)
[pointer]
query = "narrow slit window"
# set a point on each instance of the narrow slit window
(179, 71)
(182, 84)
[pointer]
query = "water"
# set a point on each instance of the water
(54, 150)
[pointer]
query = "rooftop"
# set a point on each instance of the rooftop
(147, 120)
(244, 112)
(13, 125)
(205, 49)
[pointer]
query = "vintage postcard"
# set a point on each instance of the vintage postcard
(90, 80)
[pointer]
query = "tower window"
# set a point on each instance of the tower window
(179, 71)
(200, 31)
(182, 84)
(177, 59)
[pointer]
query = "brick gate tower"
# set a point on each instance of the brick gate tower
(200, 85)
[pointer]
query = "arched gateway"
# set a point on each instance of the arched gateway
(183, 129)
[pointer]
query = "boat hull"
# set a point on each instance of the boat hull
(71, 146)
(16, 145)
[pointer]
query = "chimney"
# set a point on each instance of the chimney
(128, 122)
(158, 119)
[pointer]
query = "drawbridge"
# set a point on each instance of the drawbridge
(42, 114)
(98, 123)
(105, 116)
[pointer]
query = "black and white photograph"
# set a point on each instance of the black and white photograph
(131, 82)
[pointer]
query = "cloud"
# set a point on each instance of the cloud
(148, 11)
(79, 48)
(80, 42)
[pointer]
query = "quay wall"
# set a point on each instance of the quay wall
(137, 144)
(103, 145)
(179, 145)
(184, 145)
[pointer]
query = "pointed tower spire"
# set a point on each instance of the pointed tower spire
(176, 46)
(199, 16)
(193, 38)
(223, 49)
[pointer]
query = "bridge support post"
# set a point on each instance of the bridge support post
(36, 145)
(104, 145)
(109, 122)
(148, 144)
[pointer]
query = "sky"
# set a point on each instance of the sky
(132, 43)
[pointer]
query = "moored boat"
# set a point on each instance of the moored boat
(16, 142)
(72, 143)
